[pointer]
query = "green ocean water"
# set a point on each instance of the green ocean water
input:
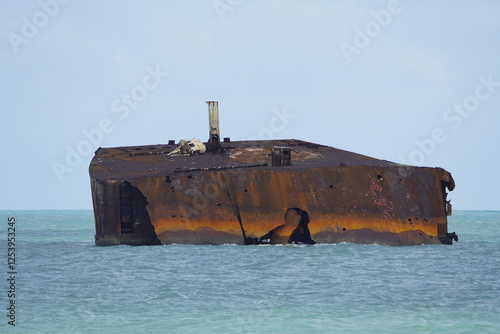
(65, 284)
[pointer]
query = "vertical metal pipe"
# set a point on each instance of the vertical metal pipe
(213, 121)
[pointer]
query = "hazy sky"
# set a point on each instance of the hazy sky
(407, 81)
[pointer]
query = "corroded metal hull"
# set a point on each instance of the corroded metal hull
(143, 197)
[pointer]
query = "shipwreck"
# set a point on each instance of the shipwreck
(263, 192)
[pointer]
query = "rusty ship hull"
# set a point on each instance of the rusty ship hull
(238, 195)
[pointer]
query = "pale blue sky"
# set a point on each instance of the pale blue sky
(406, 81)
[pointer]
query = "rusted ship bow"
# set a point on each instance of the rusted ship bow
(263, 192)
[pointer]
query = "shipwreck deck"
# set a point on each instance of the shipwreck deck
(152, 160)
